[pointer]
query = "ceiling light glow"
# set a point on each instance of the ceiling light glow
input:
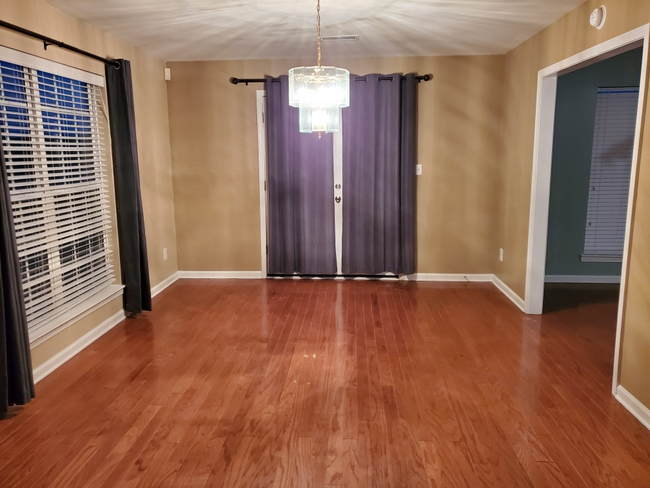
(319, 92)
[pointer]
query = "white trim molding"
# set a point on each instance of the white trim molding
(261, 155)
(634, 406)
(79, 345)
(471, 278)
(170, 280)
(421, 277)
(540, 193)
(221, 275)
(451, 278)
(615, 279)
(508, 292)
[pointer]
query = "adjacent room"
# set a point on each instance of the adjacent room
(324, 243)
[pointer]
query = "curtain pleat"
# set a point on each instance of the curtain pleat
(16, 381)
(379, 157)
(408, 161)
(130, 219)
(300, 190)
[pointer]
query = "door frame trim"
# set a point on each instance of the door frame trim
(261, 155)
(337, 153)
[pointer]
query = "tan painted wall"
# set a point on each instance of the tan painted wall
(215, 160)
(150, 94)
(568, 36)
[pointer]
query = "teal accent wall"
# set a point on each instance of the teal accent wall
(575, 115)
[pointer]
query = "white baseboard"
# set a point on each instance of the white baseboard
(472, 278)
(80, 344)
(424, 277)
(221, 275)
(507, 291)
(581, 279)
(451, 278)
(164, 284)
(634, 406)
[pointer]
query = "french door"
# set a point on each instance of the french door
(343, 203)
(332, 184)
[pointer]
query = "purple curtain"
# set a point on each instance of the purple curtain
(379, 157)
(300, 191)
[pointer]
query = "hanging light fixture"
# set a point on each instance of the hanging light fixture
(319, 92)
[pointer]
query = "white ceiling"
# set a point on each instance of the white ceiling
(190, 30)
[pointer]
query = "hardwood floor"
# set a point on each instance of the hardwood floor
(322, 383)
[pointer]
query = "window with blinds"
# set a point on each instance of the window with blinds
(611, 166)
(56, 168)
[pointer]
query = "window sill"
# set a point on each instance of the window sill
(585, 258)
(77, 313)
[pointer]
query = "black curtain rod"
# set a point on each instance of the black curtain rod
(48, 41)
(246, 81)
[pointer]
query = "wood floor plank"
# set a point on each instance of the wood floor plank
(344, 384)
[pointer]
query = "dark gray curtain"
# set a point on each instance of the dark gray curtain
(16, 382)
(300, 190)
(130, 221)
(379, 157)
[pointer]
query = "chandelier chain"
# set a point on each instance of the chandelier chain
(318, 20)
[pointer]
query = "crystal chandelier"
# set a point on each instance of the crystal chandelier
(319, 92)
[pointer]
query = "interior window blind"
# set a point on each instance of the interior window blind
(56, 167)
(611, 166)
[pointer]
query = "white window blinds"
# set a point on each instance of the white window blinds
(611, 166)
(51, 136)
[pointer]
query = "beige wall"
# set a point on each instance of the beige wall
(571, 35)
(215, 160)
(150, 95)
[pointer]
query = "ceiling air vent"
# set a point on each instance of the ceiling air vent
(339, 38)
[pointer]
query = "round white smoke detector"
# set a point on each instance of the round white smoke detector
(598, 16)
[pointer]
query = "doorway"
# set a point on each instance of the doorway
(323, 181)
(542, 162)
(593, 143)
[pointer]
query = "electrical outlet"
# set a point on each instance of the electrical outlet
(501, 255)
(165, 254)
(418, 170)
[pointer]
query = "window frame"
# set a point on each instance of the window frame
(105, 292)
(606, 222)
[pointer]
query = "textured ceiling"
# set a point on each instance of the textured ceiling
(189, 30)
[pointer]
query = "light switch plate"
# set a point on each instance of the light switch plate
(418, 169)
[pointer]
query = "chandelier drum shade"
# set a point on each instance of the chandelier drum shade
(319, 92)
